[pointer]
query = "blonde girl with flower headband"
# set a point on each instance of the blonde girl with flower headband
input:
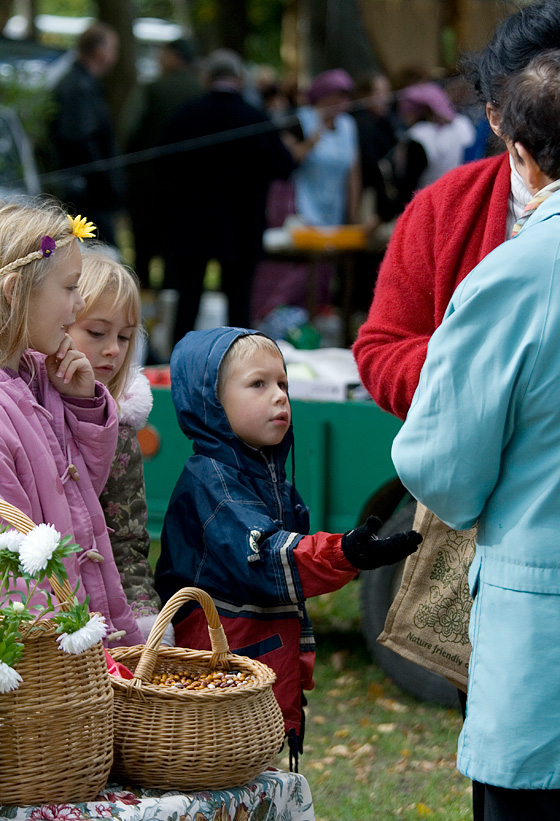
(21, 252)
(107, 330)
(58, 425)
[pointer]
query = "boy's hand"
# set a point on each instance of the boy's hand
(365, 551)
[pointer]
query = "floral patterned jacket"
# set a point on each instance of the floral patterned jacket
(124, 503)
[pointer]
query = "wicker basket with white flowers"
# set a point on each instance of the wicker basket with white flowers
(56, 701)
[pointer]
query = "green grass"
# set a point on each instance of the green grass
(372, 752)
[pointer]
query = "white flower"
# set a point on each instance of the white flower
(37, 548)
(18, 607)
(10, 679)
(11, 539)
(85, 637)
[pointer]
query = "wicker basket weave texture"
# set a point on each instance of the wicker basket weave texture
(56, 729)
(189, 740)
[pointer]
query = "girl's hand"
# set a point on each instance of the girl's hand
(70, 371)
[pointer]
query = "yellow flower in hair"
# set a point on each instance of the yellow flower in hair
(81, 228)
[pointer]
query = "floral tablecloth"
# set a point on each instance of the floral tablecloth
(273, 796)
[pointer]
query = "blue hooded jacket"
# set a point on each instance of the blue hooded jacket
(233, 520)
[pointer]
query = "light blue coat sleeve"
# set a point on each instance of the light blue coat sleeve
(449, 451)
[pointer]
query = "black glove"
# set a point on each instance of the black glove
(365, 551)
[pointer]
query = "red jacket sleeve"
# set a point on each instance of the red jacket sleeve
(443, 233)
(321, 564)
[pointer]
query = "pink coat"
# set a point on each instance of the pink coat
(41, 434)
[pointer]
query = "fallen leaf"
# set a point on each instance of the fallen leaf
(336, 694)
(391, 705)
(423, 810)
(341, 750)
(338, 660)
(345, 681)
(364, 750)
(318, 719)
(375, 691)
(362, 778)
(342, 733)
(386, 728)
(425, 766)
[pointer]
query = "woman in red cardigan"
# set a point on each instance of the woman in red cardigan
(448, 227)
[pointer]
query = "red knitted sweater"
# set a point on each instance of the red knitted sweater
(442, 235)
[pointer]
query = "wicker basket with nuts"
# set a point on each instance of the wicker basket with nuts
(172, 717)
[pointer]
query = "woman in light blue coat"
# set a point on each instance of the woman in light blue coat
(482, 443)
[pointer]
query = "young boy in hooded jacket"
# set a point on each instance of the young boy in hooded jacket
(235, 526)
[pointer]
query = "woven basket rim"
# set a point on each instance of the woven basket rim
(266, 676)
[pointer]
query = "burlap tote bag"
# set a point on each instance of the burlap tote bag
(428, 620)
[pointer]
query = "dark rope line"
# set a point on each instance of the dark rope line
(147, 154)
(195, 143)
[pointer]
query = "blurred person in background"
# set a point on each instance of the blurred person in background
(465, 101)
(327, 179)
(215, 193)
(435, 140)
(152, 109)
(82, 131)
(326, 187)
(372, 111)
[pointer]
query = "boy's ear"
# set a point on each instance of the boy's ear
(536, 178)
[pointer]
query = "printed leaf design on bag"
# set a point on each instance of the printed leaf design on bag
(427, 622)
(447, 605)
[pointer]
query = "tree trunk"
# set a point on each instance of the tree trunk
(6, 7)
(122, 79)
(233, 24)
(337, 38)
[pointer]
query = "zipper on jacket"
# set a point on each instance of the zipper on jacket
(274, 479)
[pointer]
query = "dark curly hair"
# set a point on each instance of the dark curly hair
(521, 36)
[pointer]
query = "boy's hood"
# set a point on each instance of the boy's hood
(194, 367)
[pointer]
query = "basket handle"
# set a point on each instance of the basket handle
(220, 649)
(15, 517)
